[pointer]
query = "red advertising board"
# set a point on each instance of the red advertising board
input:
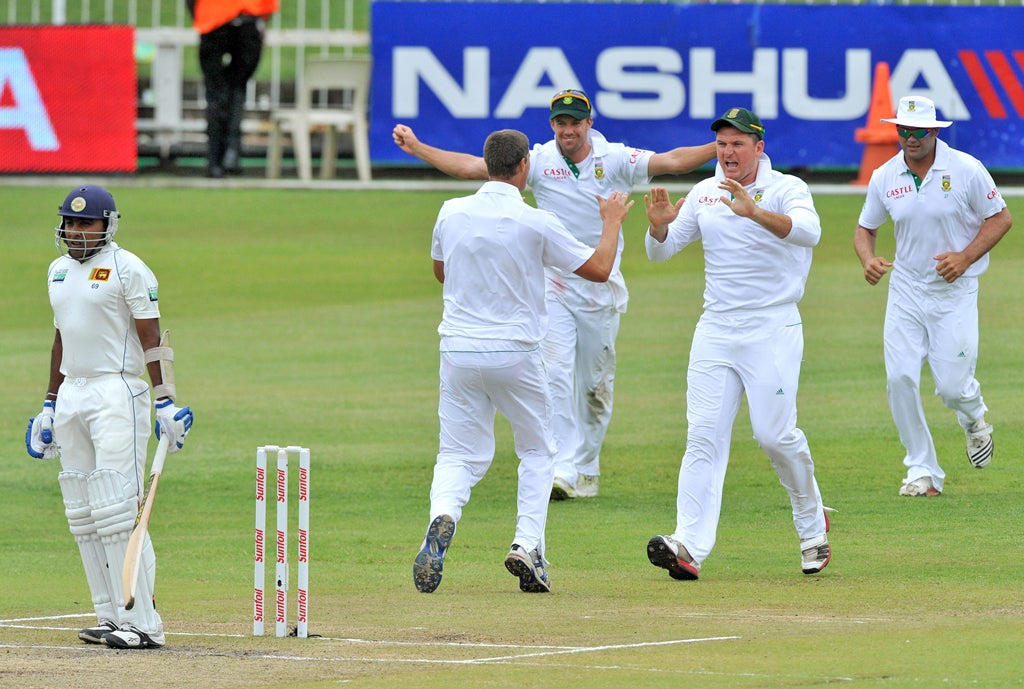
(67, 99)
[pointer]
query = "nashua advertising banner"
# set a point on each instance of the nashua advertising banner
(67, 99)
(659, 74)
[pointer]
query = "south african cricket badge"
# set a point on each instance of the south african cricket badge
(758, 195)
(599, 170)
(946, 183)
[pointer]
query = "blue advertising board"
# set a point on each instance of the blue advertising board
(659, 74)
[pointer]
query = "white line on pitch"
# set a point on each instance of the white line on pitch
(48, 617)
(593, 649)
(534, 652)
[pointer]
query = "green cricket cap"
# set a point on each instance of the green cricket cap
(742, 119)
(572, 102)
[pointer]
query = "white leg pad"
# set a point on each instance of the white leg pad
(115, 507)
(74, 487)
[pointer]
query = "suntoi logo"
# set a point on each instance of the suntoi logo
(257, 615)
(303, 483)
(261, 483)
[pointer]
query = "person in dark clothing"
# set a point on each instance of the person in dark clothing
(230, 45)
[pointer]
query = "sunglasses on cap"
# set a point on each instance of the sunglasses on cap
(916, 133)
(578, 95)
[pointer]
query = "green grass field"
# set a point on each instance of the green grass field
(309, 317)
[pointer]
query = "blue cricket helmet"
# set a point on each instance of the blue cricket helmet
(90, 201)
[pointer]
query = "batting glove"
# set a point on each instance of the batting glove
(174, 421)
(39, 435)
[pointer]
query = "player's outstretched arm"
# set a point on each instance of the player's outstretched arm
(681, 160)
(461, 165)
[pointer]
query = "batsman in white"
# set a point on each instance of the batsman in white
(97, 410)
(567, 175)
(947, 215)
(489, 252)
(758, 228)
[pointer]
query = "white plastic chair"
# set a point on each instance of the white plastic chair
(324, 75)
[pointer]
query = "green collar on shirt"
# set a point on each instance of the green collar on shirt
(917, 180)
(572, 166)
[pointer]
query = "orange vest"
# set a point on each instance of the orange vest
(209, 14)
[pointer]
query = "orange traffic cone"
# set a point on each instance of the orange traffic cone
(880, 139)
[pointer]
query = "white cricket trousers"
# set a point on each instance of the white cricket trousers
(757, 352)
(103, 423)
(102, 426)
(936, 321)
(579, 352)
(474, 385)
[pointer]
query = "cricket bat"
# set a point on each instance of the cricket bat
(133, 555)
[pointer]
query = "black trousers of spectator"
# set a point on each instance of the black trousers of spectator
(228, 57)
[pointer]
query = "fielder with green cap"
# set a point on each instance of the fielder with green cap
(758, 228)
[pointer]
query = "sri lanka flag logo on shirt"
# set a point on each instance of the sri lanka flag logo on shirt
(100, 275)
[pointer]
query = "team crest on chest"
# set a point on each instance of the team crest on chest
(100, 275)
(758, 195)
(599, 169)
(946, 183)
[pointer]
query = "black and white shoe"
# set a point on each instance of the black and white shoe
(94, 635)
(979, 444)
(130, 636)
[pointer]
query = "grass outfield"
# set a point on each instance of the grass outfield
(309, 317)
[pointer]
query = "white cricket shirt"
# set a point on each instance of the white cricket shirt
(608, 168)
(494, 247)
(95, 305)
(945, 214)
(745, 265)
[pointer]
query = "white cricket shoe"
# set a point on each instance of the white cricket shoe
(130, 636)
(919, 488)
(94, 635)
(529, 567)
(561, 490)
(979, 443)
(815, 554)
(586, 486)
